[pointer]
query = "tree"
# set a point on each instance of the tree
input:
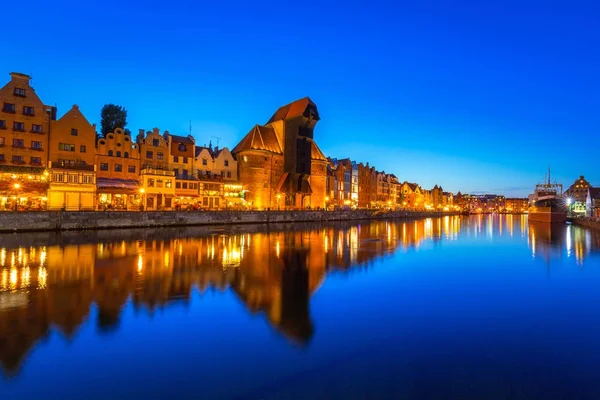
(112, 117)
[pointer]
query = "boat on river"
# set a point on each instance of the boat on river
(547, 203)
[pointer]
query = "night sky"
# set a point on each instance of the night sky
(475, 96)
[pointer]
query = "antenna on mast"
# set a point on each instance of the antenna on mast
(190, 127)
(218, 138)
(548, 174)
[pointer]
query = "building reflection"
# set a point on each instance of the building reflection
(60, 283)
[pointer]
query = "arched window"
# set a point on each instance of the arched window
(126, 155)
(182, 147)
(118, 154)
(110, 153)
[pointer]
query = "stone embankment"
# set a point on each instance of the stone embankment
(80, 220)
(593, 223)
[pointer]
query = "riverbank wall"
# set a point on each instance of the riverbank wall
(592, 223)
(84, 220)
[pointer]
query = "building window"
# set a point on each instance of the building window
(118, 154)
(110, 153)
(118, 167)
(155, 142)
(36, 145)
(82, 149)
(160, 155)
(66, 147)
(149, 154)
(19, 143)
(2, 141)
(36, 161)
(229, 174)
(159, 183)
(118, 144)
(57, 177)
(37, 128)
(89, 179)
(19, 126)
(74, 132)
(185, 160)
(184, 185)
(28, 110)
(175, 159)
(150, 182)
(185, 174)
(131, 169)
(182, 147)
(204, 161)
(103, 166)
(2, 124)
(2, 158)
(227, 163)
(126, 155)
(18, 160)
(168, 183)
(72, 178)
(177, 185)
(8, 107)
(19, 92)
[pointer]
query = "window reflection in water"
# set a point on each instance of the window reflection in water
(52, 285)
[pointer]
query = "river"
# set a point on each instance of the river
(480, 307)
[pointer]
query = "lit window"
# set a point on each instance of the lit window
(66, 147)
(150, 182)
(89, 179)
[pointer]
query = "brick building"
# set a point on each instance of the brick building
(367, 186)
(279, 163)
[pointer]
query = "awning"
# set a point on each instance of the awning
(111, 185)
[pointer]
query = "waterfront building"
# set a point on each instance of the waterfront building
(592, 202)
(577, 192)
(72, 158)
(412, 195)
(181, 161)
(25, 123)
(367, 186)
(345, 174)
(512, 204)
(118, 167)
(156, 179)
(280, 165)
(210, 178)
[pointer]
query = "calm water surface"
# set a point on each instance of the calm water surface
(483, 307)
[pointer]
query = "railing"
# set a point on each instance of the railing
(154, 171)
(74, 166)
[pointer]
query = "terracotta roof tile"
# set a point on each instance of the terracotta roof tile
(294, 109)
(259, 138)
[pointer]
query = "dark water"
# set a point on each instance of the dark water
(454, 308)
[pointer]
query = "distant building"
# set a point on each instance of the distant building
(512, 204)
(367, 186)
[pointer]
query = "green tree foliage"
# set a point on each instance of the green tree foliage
(112, 117)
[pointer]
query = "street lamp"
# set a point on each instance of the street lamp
(326, 202)
(16, 186)
(142, 192)
(278, 198)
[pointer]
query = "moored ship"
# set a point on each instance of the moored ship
(547, 203)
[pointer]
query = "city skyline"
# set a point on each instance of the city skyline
(414, 92)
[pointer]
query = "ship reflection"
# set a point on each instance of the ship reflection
(553, 241)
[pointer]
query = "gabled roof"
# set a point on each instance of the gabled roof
(594, 192)
(199, 150)
(316, 153)
(294, 109)
(181, 139)
(74, 112)
(259, 138)
(412, 186)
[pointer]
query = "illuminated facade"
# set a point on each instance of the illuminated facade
(157, 180)
(25, 124)
(181, 162)
(280, 165)
(72, 171)
(117, 174)
(367, 186)
(577, 192)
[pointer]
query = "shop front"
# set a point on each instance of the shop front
(119, 194)
(158, 188)
(23, 189)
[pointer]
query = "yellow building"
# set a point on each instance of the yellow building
(24, 127)
(181, 162)
(157, 181)
(72, 153)
(118, 168)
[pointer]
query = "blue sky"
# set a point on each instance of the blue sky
(476, 96)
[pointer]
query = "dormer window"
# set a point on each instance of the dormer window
(204, 161)
(19, 92)
(182, 147)
(155, 142)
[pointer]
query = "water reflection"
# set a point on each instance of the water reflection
(55, 281)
